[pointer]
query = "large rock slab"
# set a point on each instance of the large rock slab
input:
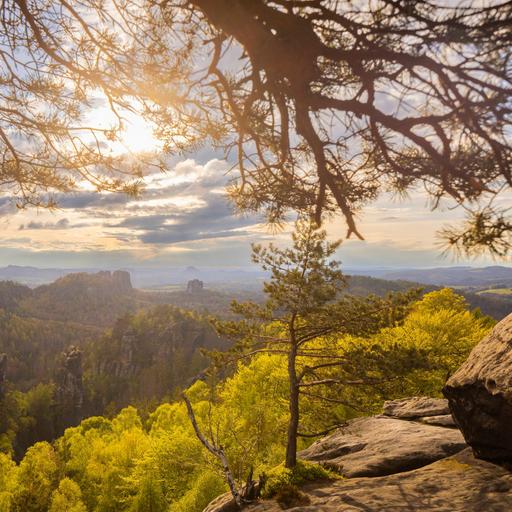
(480, 395)
(455, 484)
(380, 445)
(416, 407)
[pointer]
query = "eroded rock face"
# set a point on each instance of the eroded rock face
(380, 445)
(480, 395)
(432, 411)
(69, 393)
(456, 484)
(195, 286)
(416, 407)
(3, 371)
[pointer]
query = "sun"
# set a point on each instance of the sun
(133, 132)
(137, 136)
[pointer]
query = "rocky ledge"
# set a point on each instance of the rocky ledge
(455, 484)
(382, 445)
(398, 461)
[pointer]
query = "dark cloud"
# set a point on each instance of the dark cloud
(81, 200)
(214, 219)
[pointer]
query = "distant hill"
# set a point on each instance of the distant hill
(100, 298)
(141, 277)
(494, 305)
(494, 276)
(91, 299)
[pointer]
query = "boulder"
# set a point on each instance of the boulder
(480, 395)
(380, 445)
(456, 484)
(416, 407)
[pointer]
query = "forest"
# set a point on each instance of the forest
(157, 131)
(151, 460)
(136, 448)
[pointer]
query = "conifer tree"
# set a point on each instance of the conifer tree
(304, 303)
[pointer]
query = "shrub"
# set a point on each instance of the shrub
(281, 479)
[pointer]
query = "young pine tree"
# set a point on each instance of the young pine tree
(304, 303)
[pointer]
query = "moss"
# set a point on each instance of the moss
(453, 465)
(281, 479)
(289, 496)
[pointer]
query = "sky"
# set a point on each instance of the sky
(183, 218)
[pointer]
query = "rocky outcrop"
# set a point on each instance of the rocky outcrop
(396, 461)
(3, 372)
(195, 286)
(480, 395)
(69, 392)
(122, 281)
(416, 407)
(380, 445)
(432, 411)
(459, 483)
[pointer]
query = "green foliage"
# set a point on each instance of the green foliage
(444, 331)
(8, 482)
(67, 498)
(281, 477)
(37, 477)
(32, 346)
(132, 464)
(208, 486)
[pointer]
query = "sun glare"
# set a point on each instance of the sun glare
(138, 137)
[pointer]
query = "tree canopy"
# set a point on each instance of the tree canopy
(135, 462)
(323, 104)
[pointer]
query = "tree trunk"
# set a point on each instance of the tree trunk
(218, 451)
(293, 425)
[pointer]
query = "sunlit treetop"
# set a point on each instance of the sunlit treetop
(321, 105)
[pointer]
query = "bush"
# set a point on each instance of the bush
(280, 479)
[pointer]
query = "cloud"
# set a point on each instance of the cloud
(211, 218)
(7, 206)
(183, 216)
(60, 224)
(88, 199)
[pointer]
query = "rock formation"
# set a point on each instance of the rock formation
(379, 445)
(69, 392)
(432, 411)
(396, 462)
(195, 286)
(480, 395)
(3, 371)
(459, 483)
(122, 281)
